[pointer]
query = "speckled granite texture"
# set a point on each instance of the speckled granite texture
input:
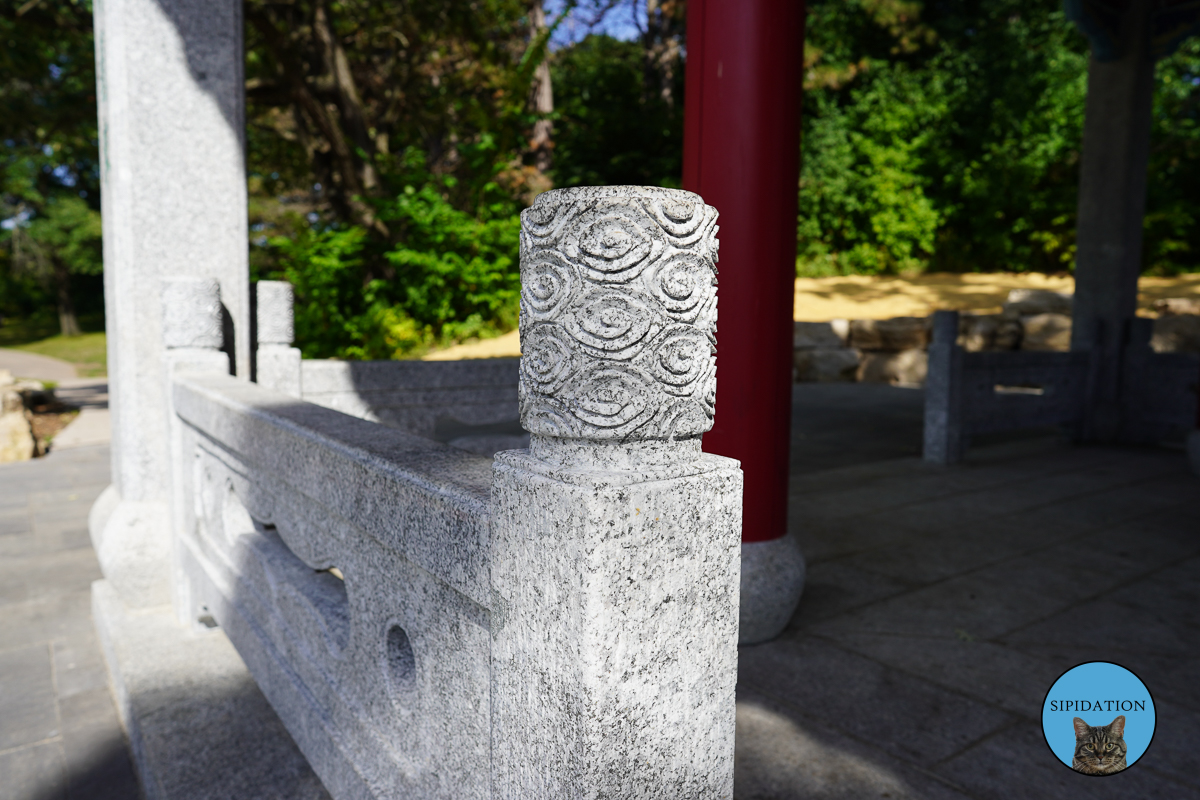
(618, 314)
(614, 649)
(276, 362)
(559, 624)
(614, 540)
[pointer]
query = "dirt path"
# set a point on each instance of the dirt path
(871, 297)
(867, 297)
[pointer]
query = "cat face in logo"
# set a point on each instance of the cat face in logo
(1099, 750)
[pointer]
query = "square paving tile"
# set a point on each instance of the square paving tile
(33, 773)
(67, 615)
(834, 587)
(865, 699)
(79, 666)
(782, 755)
(1018, 763)
(28, 709)
(99, 767)
(991, 673)
(40, 576)
(994, 600)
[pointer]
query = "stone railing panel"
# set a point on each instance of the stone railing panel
(561, 623)
(419, 397)
(355, 587)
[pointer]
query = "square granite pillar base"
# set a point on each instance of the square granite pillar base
(614, 657)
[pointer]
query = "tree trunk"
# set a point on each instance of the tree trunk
(347, 193)
(67, 321)
(660, 49)
(541, 101)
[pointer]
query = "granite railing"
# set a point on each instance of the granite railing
(976, 393)
(469, 404)
(428, 623)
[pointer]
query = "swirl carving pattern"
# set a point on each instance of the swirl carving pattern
(618, 314)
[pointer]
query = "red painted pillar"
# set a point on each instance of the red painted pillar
(741, 153)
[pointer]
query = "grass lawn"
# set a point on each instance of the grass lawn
(87, 352)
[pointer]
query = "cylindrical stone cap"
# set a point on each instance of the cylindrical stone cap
(191, 309)
(274, 317)
(618, 314)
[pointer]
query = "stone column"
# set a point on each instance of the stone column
(1112, 200)
(170, 89)
(943, 393)
(614, 539)
(741, 152)
(277, 363)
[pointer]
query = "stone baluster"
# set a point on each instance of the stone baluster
(615, 540)
(277, 362)
(193, 337)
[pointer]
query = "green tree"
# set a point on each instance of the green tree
(49, 175)
(612, 127)
(1172, 233)
(942, 135)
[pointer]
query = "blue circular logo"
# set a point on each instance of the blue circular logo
(1098, 718)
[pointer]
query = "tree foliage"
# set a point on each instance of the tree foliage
(392, 145)
(49, 174)
(615, 124)
(1172, 232)
(391, 148)
(946, 135)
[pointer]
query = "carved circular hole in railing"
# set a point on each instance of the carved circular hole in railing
(399, 662)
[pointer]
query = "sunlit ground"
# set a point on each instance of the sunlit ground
(883, 297)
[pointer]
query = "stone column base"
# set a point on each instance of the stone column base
(772, 580)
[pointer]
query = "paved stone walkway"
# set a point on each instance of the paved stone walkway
(32, 365)
(941, 605)
(94, 423)
(59, 734)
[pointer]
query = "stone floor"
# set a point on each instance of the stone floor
(941, 605)
(59, 734)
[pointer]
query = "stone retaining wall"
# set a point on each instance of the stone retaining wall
(895, 350)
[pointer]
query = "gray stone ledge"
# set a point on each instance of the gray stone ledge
(198, 725)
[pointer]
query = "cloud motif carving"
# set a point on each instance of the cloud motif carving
(682, 284)
(681, 359)
(613, 323)
(618, 314)
(547, 285)
(547, 358)
(612, 397)
(615, 243)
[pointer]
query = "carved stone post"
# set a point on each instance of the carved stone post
(191, 324)
(615, 540)
(278, 363)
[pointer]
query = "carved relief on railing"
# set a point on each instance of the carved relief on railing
(618, 314)
(347, 563)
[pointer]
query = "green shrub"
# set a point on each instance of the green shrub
(452, 277)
